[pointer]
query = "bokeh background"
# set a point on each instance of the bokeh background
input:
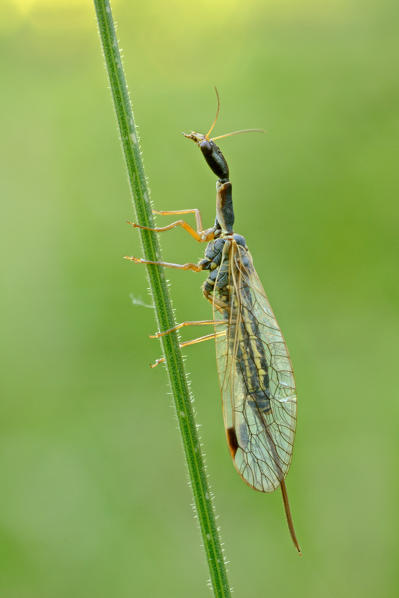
(94, 497)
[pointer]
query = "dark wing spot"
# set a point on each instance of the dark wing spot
(232, 440)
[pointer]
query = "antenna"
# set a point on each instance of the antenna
(214, 123)
(238, 132)
(217, 114)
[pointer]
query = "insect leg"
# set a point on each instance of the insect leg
(201, 339)
(199, 235)
(178, 326)
(217, 303)
(189, 266)
(181, 223)
(195, 211)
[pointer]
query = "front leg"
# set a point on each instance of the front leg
(199, 235)
(195, 211)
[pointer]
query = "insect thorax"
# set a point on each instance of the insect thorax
(217, 262)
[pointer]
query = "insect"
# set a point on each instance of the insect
(256, 378)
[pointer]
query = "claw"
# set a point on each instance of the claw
(135, 225)
(157, 362)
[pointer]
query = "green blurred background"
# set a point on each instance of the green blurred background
(94, 498)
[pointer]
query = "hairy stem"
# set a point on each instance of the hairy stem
(162, 302)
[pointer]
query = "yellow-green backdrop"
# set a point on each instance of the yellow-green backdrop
(94, 498)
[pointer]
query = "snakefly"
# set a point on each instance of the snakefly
(255, 372)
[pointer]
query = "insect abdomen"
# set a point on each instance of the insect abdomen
(253, 368)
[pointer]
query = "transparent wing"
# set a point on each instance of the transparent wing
(256, 378)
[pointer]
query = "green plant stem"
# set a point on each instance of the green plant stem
(162, 302)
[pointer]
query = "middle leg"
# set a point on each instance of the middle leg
(189, 266)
